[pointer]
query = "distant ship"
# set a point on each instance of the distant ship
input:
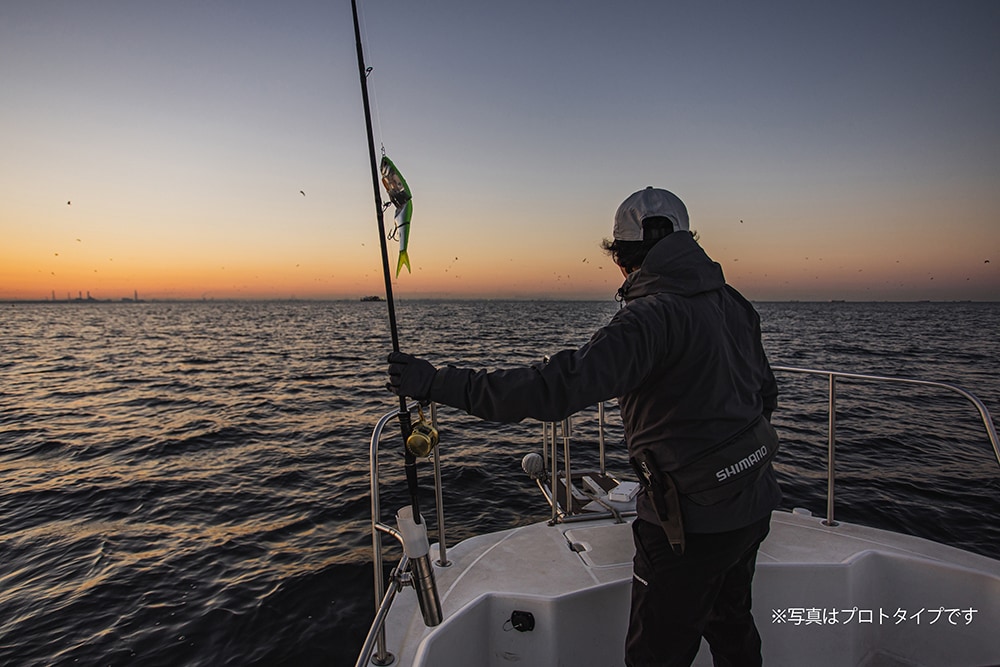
(371, 298)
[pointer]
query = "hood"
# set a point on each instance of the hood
(675, 265)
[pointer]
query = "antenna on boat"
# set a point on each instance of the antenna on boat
(411, 526)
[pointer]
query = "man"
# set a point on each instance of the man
(685, 359)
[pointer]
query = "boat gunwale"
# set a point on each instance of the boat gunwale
(399, 577)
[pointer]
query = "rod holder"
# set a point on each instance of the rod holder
(417, 549)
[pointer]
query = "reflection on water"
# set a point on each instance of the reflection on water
(187, 483)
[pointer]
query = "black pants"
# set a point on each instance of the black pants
(676, 600)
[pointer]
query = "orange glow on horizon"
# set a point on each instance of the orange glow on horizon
(65, 275)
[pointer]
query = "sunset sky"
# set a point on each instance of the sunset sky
(846, 150)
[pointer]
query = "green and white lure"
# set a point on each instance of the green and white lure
(399, 195)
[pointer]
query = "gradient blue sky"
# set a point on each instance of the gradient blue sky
(843, 150)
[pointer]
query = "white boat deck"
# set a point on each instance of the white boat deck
(846, 595)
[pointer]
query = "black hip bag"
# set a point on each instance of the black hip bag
(730, 467)
(721, 473)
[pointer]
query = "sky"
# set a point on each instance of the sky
(217, 149)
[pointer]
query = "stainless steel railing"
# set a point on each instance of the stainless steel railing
(552, 434)
(834, 376)
(400, 575)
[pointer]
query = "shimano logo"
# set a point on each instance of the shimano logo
(743, 464)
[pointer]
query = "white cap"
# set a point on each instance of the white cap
(649, 203)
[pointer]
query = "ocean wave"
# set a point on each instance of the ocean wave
(193, 489)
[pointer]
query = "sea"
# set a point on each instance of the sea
(188, 483)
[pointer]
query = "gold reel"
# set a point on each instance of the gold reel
(423, 437)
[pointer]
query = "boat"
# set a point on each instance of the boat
(556, 592)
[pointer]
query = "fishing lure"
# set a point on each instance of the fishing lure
(399, 195)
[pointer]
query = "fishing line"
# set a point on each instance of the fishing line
(373, 90)
(371, 87)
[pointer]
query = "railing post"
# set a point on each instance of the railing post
(545, 446)
(382, 655)
(600, 433)
(439, 496)
(554, 476)
(569, 479)
(830, 453)
(377, 629)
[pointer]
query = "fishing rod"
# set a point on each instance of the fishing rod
(413, 532)
(404, 414)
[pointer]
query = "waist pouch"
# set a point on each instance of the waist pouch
(732, 466)
(721, 473)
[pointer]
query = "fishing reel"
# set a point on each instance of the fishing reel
(423, 436)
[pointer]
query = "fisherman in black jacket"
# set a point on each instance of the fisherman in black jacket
(685, 360)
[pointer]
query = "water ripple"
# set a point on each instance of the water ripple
(187, 483)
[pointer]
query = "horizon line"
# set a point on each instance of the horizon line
(381, 299)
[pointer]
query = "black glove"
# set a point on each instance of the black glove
(410, 376)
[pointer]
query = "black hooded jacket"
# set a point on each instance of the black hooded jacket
(684, 358)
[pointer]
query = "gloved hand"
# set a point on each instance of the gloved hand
(410, 376)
